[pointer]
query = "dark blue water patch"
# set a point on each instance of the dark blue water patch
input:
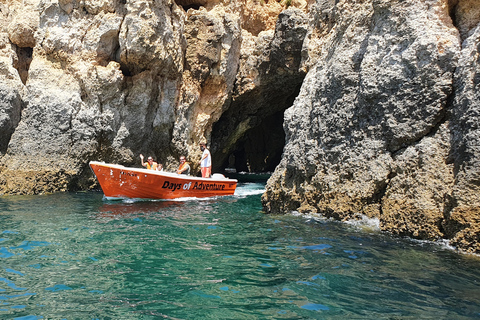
(226, 288)
(266, 265)
(317, 247)
(353, 254)
(14, 271)
(29, 318)
(315, 307)
(30, 245)
(4, 253)
(96, 291)
(11, 284)
(13, 296)
(58, 287)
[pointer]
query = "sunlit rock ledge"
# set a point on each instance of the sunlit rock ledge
(364, 107)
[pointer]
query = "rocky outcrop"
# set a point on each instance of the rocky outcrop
(211, 60)
(267, 81)
(94, 64)
(462, 222)
(11, 88)
(375, 129)
(108, 80)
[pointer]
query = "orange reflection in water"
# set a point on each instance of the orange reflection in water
(121, 210)
(178, 210)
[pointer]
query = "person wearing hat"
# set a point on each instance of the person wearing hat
(206, 161)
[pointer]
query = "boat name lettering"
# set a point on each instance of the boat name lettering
(131, 174)
(196, 186)
(208, 186)
(170, 185)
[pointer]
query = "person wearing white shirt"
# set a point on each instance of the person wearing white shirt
(206, 161)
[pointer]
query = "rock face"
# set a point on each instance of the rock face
(267, 81)
(111, 79)
(361, 107)
(463, 218)
(379, 126)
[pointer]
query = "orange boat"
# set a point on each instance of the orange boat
(119, 182)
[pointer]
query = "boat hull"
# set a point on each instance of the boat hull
(119, 182)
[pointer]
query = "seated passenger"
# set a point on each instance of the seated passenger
(184, 167)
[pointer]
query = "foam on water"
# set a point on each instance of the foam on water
(365, 223)
(249, 189)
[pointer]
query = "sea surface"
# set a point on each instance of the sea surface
(76, 256)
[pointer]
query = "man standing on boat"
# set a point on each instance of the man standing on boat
(150, 164)
(206, 161)
(184, 167)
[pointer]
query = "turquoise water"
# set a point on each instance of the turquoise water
(74, 256)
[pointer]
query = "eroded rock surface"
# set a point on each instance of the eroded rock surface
(463, 220)
(371, 130)
(107, 80)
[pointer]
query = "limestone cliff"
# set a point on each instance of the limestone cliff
(381, 124)
(361, 107)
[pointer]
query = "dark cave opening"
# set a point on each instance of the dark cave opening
(24, 55)
(249, 137)
(191, 4)
(452, 6)
(125, 70)
(260, 148)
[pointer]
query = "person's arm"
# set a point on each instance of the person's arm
(141, 159)
(204, 156)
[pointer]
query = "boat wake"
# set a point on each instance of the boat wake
(249, 189)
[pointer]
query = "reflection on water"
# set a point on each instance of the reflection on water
(75, 256)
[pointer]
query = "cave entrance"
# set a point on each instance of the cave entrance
(249, 136)
(260, 149)
(191, 4)
(22, 64)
